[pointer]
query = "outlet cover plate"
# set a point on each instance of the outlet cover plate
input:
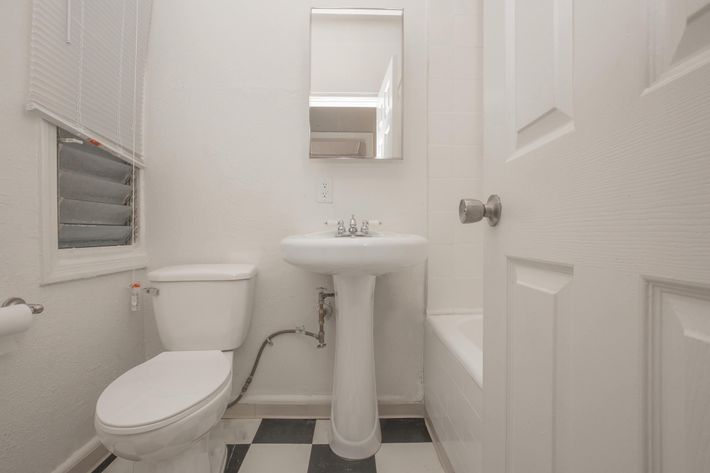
(324, 191)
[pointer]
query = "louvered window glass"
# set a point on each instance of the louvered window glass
(96, 191)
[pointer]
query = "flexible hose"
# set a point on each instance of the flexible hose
(267, 341)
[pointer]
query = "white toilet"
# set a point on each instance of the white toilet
(161, 414)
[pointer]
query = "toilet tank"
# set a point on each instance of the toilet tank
(203, 306)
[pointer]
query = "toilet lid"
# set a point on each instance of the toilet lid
(162, 388)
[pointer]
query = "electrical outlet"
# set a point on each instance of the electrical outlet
(324, 192)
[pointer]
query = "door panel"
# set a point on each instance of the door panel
(541, 32)
(539, 307)
(679, 378)
(680, 38)
(597, 139)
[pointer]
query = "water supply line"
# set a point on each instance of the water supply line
(324, 310)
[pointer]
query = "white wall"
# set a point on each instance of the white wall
(87, 336)
(455, 268)
(228, 178)
(455, 154)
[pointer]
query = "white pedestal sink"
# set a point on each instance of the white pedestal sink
(354, 262)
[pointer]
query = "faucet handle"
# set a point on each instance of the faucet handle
(365, 228)
(340, 223)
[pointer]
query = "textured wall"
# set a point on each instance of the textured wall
(87, 336)
(455, 154)
(227, 135)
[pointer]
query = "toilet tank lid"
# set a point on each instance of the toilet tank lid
(204, 272)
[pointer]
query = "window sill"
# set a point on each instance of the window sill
(82, 263)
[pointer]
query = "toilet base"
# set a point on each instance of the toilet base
(205, 456)
(218, 459)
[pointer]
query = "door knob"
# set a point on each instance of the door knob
(472, 210)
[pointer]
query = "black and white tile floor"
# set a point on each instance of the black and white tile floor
(301, 446)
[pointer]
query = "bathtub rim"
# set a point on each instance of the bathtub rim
(468, 354)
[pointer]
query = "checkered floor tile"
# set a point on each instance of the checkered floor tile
(301, 446)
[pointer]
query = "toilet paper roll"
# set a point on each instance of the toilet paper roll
(14, 319)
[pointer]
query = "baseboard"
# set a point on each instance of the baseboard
(248, 410)
(440, 452)
(455, 311)
(319, 410)
(300, 399)
(84, 460)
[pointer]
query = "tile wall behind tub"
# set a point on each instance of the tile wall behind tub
(455, 153)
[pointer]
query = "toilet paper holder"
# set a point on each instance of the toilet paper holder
(35, 308)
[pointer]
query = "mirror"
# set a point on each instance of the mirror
(355, 100)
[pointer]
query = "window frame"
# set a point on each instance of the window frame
(59, 265)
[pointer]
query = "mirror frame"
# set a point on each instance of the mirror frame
(309, 74)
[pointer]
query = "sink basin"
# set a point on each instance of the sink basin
(354, 263)
(379, 253)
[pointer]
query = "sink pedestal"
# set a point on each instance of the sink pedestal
(354, 263)
(354, 424)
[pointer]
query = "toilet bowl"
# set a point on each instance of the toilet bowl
(162, 413)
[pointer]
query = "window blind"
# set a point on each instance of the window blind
(96, 192)
(87, 69)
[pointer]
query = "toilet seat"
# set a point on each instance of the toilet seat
(162, 391)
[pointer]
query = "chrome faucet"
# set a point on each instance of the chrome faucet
(352, 229)
(353, 226)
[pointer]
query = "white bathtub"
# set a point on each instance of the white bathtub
(453, 382)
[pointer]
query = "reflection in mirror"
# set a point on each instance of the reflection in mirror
(356, 83)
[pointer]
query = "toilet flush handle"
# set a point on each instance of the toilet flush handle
(152, 291)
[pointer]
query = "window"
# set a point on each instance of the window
(96, 193)
(87, 71)
(91, 209)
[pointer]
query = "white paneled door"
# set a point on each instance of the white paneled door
(597, 278)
